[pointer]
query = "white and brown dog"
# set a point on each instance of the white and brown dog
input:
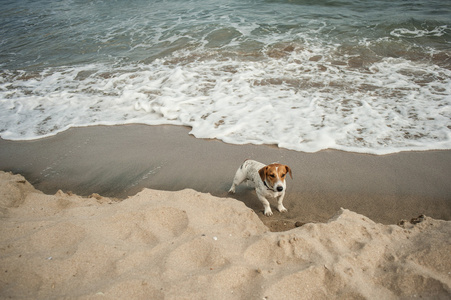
(269, 182)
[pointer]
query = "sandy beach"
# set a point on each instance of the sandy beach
(143, 212)
(123, 123)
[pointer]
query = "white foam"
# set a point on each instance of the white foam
(416, 33)
(285, 99)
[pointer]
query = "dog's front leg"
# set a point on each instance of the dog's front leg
(268, 211)
(280, 206)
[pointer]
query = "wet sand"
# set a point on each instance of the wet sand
(119, 161)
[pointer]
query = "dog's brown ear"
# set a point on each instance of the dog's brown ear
(289, 171)
(262, 173)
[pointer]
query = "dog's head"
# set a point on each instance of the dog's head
(274, 175)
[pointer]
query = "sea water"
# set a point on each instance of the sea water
(355, 75)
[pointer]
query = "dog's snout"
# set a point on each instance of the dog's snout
(280, 188)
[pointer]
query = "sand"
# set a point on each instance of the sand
(119, 161)
(191, 245)
(142, 212)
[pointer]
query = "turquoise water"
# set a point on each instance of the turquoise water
(364, 76)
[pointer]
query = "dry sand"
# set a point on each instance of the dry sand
(191, 245)
(119, 161)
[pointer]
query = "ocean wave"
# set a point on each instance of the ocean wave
(306, 77)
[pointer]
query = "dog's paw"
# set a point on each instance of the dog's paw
(268, 212)
(282, 209)
(232, 190)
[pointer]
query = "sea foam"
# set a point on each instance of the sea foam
(296, 97)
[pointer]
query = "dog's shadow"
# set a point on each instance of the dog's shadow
(245, 194)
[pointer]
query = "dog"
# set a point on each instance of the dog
(269, 182)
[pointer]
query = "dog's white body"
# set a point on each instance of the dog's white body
(269, 182)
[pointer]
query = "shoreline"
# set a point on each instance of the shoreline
(119, 161)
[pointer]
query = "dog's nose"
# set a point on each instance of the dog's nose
(280, 188)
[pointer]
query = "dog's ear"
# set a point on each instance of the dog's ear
(287, 168)
(262, 173)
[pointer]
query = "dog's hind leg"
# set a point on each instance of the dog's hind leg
(240, 176)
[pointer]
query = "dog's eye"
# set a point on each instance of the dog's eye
(271, 175)
(283, 175)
